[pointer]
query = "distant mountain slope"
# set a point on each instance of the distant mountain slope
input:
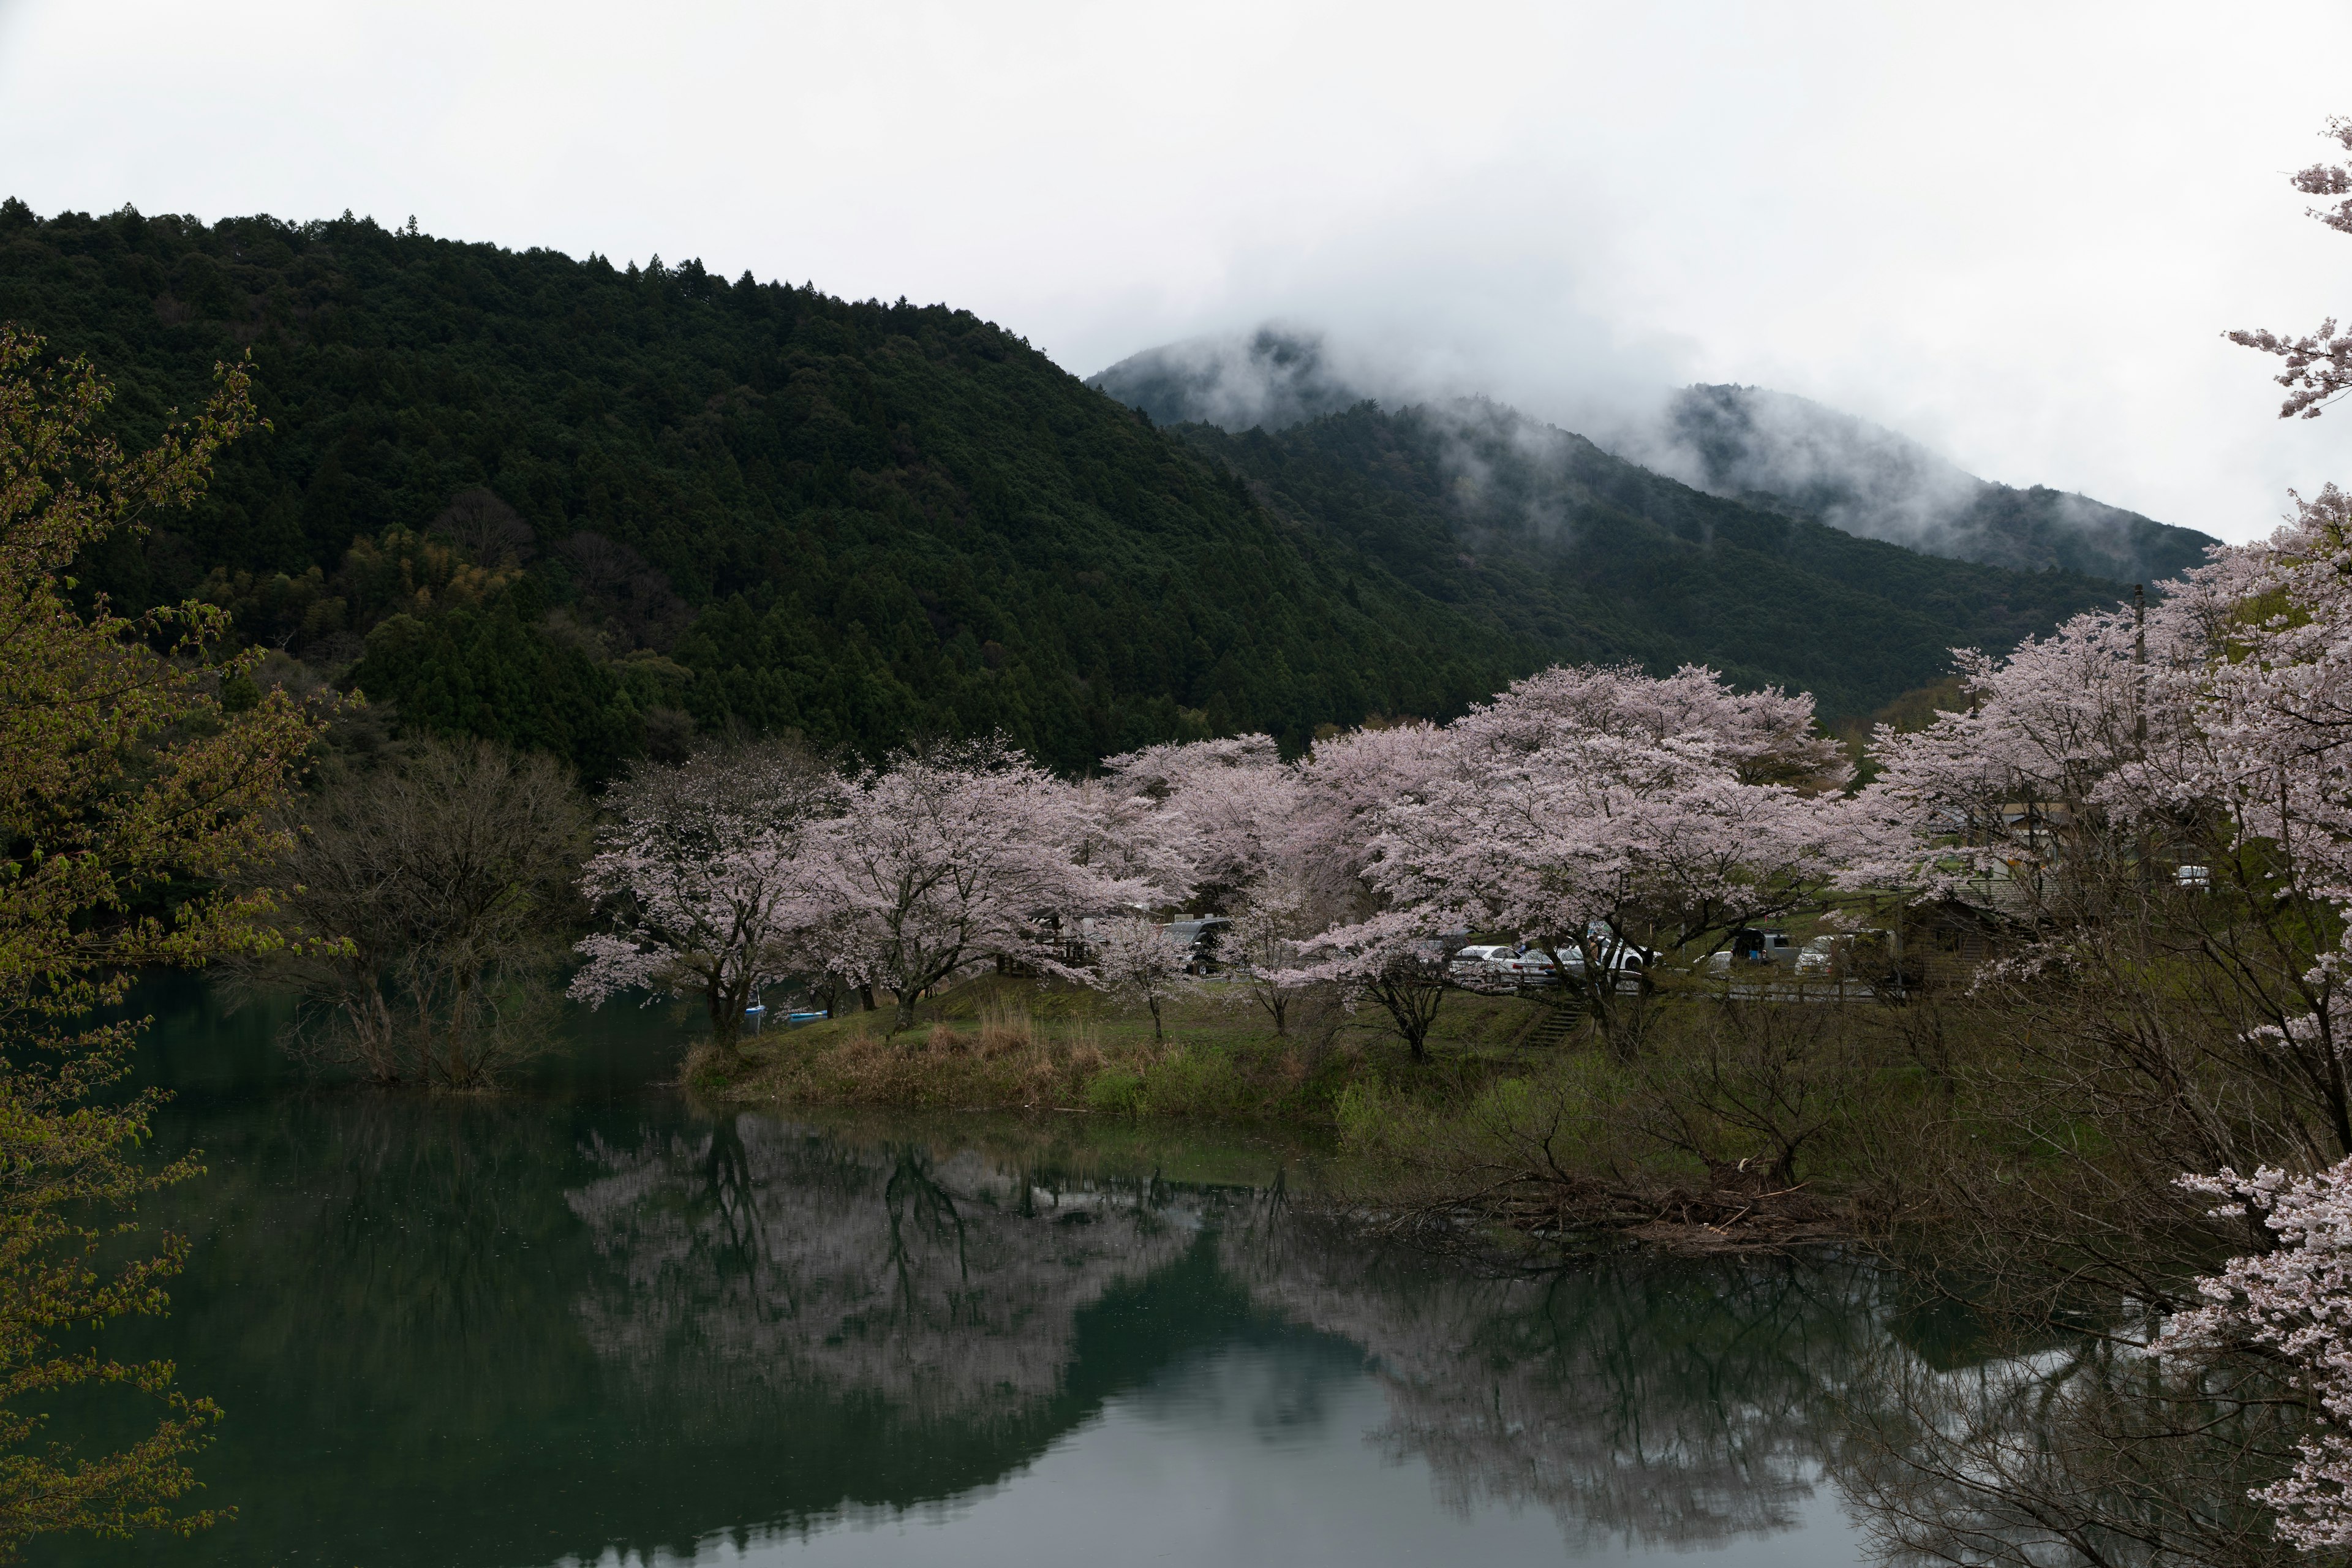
(1784, 453)
(596, 510)
(1275, 377)
(1544, 534)
(1749, 442)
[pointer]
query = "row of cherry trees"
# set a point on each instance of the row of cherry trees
(1583, 809)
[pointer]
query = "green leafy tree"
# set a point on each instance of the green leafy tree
(129, 792)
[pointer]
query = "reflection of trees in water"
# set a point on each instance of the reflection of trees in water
(2086, 1452)
(1666, 1402)
(490, 1332)
(753, 1252)
(577, 1330)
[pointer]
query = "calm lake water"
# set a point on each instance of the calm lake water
(586, 1323)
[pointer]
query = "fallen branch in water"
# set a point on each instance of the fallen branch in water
(1555, 1210)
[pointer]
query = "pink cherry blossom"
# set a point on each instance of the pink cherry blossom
(1593, 808)
(2295, 1302)
(957, 855)
(708, 875)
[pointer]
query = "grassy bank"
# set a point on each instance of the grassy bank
(1732, 1124)
(1001, 1044)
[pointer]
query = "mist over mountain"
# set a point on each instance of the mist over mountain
(1767, 448)
(1275, 377)
(1541, 534)
(1791, 452)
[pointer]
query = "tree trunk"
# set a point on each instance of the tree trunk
(726, 1023)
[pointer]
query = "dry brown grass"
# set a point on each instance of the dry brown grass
(1005, 1027)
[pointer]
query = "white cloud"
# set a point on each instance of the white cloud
(2012, 231)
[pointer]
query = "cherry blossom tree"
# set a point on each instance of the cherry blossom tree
(957, 854)
(2318, 366)
(1263, 946)
(1136, 957)
(2293, 1302)
(1346, 785)
(1220, 810)
(712, 878)
(1593, 808)
(2073, 748)
(2211, 729)
(1390, 959)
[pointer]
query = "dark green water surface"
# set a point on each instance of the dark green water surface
(588, 1323)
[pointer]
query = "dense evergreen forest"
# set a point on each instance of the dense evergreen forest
(597, 510)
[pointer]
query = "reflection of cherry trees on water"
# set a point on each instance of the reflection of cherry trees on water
(1664, 1404)
(975, 1307)
(1661, 1403)
(754, 1251)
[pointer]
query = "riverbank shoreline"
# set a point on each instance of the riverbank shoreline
(1001, 1044)
(1341, 1082)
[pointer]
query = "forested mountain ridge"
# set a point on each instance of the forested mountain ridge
(752, 503)
(1769, 449)
(594, 509)
(1542, 532)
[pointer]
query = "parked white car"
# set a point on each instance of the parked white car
(1476, 965)
(1839, 954)
(1628, 963)
(1533, 967)
(1818, 956)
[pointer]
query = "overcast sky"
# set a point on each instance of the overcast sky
(2014, 232)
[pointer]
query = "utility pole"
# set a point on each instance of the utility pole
(2139, 665)
(2139, 720)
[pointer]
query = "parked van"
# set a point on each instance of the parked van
(1199, 939)
(1750, 946)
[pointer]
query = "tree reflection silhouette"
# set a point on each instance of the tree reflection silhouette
(500, 1332)
(1662, 1402)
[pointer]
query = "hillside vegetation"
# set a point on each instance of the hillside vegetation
(595, 509)
(1748, 444)
(749, 503)
(1542, 532)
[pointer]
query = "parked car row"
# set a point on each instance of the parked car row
(1509, 967)
(1864, 956)
(1861, 955)
(1504, 966)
